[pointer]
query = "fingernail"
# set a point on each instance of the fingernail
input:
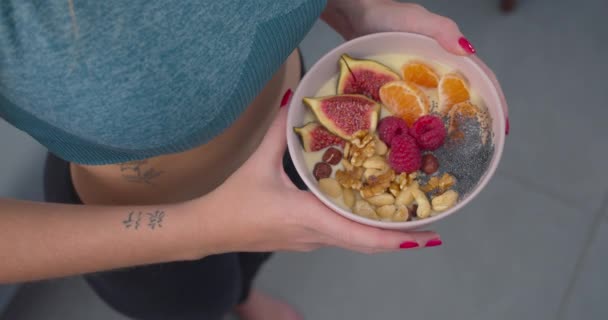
(408, 245)
(507, 127)
(286, 98)
(433, 243)
(466, 45)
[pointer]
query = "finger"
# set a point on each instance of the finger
(366, 250)
(442, 29)
(275, 140)
(368, 239)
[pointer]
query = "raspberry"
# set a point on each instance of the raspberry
(390, 127)
(429, 132)
(405, 155)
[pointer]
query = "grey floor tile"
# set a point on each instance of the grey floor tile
(507, 256)
(65, 299)
(319, 40)
(587, 300)
(21, 164)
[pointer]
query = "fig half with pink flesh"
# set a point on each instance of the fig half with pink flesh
(345, 115)
(360, 76)
(315, 137)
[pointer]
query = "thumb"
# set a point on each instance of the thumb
(275, 140)
(444, 30)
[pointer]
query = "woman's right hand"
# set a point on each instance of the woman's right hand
(259, 209)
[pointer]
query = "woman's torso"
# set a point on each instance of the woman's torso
(186, 175)
(105, 83)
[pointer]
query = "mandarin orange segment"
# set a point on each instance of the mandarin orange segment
(405, 100)
(464, 109)
(420, 74)
(453, 89)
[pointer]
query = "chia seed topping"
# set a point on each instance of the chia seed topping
(465, 157)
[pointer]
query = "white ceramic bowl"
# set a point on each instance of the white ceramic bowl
(480, 80)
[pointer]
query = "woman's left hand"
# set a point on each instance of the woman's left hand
(354, 18)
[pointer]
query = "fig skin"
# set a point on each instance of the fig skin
(362, 76)
(314, 130)
(346, 115)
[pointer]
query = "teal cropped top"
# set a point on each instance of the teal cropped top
(100, 82)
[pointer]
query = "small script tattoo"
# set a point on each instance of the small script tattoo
(152, 219)
(139, 171)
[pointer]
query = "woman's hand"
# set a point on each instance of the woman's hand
(259, 209)
(354, 18)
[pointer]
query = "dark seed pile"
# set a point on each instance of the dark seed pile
(465, 158)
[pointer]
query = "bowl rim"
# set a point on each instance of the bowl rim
(499, 137)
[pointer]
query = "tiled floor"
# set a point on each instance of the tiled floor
(534, 245)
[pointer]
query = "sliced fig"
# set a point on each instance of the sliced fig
(345, 115)
(315, 137)
(359, 76)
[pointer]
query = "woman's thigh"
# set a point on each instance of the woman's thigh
(205, 289)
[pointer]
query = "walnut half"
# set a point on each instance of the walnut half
(376, 185)
(350, 179)
(440, 184)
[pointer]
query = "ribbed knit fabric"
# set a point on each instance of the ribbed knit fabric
(112, 81)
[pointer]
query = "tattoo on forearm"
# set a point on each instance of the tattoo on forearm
(139, 172)
(152, 220)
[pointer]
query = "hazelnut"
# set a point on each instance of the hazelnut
(332, 156)
(430, 164)
(321, 170)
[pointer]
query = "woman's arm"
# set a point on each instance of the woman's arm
(40, 240)
(354, 18)
(257, 209)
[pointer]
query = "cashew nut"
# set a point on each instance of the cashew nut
(445, 201)
(375, 162)
(424, 206)
(381, 199)
(386, 211)
(381, 148)
(364, 209)
(402, 214)
(406, 197)
(330, 187)
(349, 197)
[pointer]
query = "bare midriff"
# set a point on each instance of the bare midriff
(193, 173)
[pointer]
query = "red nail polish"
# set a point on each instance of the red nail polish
(408, 245)
(434, 243)
(507, 127)
(466, 45)
(286, 98)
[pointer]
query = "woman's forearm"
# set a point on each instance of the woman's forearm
(339, 14)
(40, 240)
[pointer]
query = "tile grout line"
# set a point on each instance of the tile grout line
(541, 189)
(592, 235)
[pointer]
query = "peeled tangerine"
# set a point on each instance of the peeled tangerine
(315, 137)
(345, 115)
(405, 100)
(363, 77)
